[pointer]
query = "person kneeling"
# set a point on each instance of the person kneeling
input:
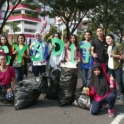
(7, 80)
(102, 89)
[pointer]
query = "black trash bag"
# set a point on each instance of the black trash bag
(54, 76)
(25, 97)
(67, 86)
(44, 83)
(28, 91)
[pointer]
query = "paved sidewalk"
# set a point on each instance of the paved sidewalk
(49, 112)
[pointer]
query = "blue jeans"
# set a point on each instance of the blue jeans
(19, 73)
(110, 99)
(86, 76)
(39, 69)
(117, 74)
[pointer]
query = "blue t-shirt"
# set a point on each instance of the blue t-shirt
(83, 55)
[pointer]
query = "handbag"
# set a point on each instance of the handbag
(16, 64)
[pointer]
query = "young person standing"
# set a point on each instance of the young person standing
(98, 49)
(39, 67)
(86, 66)
(55, 61)
(22, 66)
(4, 42)
(114, 64)
(122, 56)
(69, 72)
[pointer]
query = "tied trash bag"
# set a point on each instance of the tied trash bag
(67, 86)
(83, 101)
(28, 91)
(52, 92)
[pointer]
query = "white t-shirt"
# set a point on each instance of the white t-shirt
(110, 60)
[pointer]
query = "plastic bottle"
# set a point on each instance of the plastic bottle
(87, 90)
(111, 84)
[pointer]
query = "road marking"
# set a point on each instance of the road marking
(118, 119)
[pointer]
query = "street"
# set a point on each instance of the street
(49, 112)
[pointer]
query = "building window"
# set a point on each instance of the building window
(32, 23)
(29, 30)
(18, 29)
(16, 13)
(17, 22)
(27, 12)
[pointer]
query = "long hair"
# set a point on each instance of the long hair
(7, 42)
(76, 41)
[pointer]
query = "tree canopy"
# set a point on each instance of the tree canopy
(109, 14)
(70, 12)
(7, 12)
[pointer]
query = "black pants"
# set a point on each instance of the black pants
(117, 74)
(39, 69)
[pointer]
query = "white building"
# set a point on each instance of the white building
(27, 25)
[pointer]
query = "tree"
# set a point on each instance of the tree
(70, 12)
(118, 25)
(1, 3)
(92, 27)
(32, 4)
(52, 30)
(14, 27)
(107, 14)
(7, 12)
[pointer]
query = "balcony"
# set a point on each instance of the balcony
(22, 6)
(23, 17)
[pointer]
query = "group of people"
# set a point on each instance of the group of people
(100, 62)
(107, 57)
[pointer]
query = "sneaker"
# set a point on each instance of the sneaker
(122, 99)
(111, 113)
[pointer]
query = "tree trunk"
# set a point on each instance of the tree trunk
(6, 16)
(68, 31)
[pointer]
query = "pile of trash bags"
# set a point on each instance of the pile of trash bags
(28, 91)
(67, 86)
(55, 85)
